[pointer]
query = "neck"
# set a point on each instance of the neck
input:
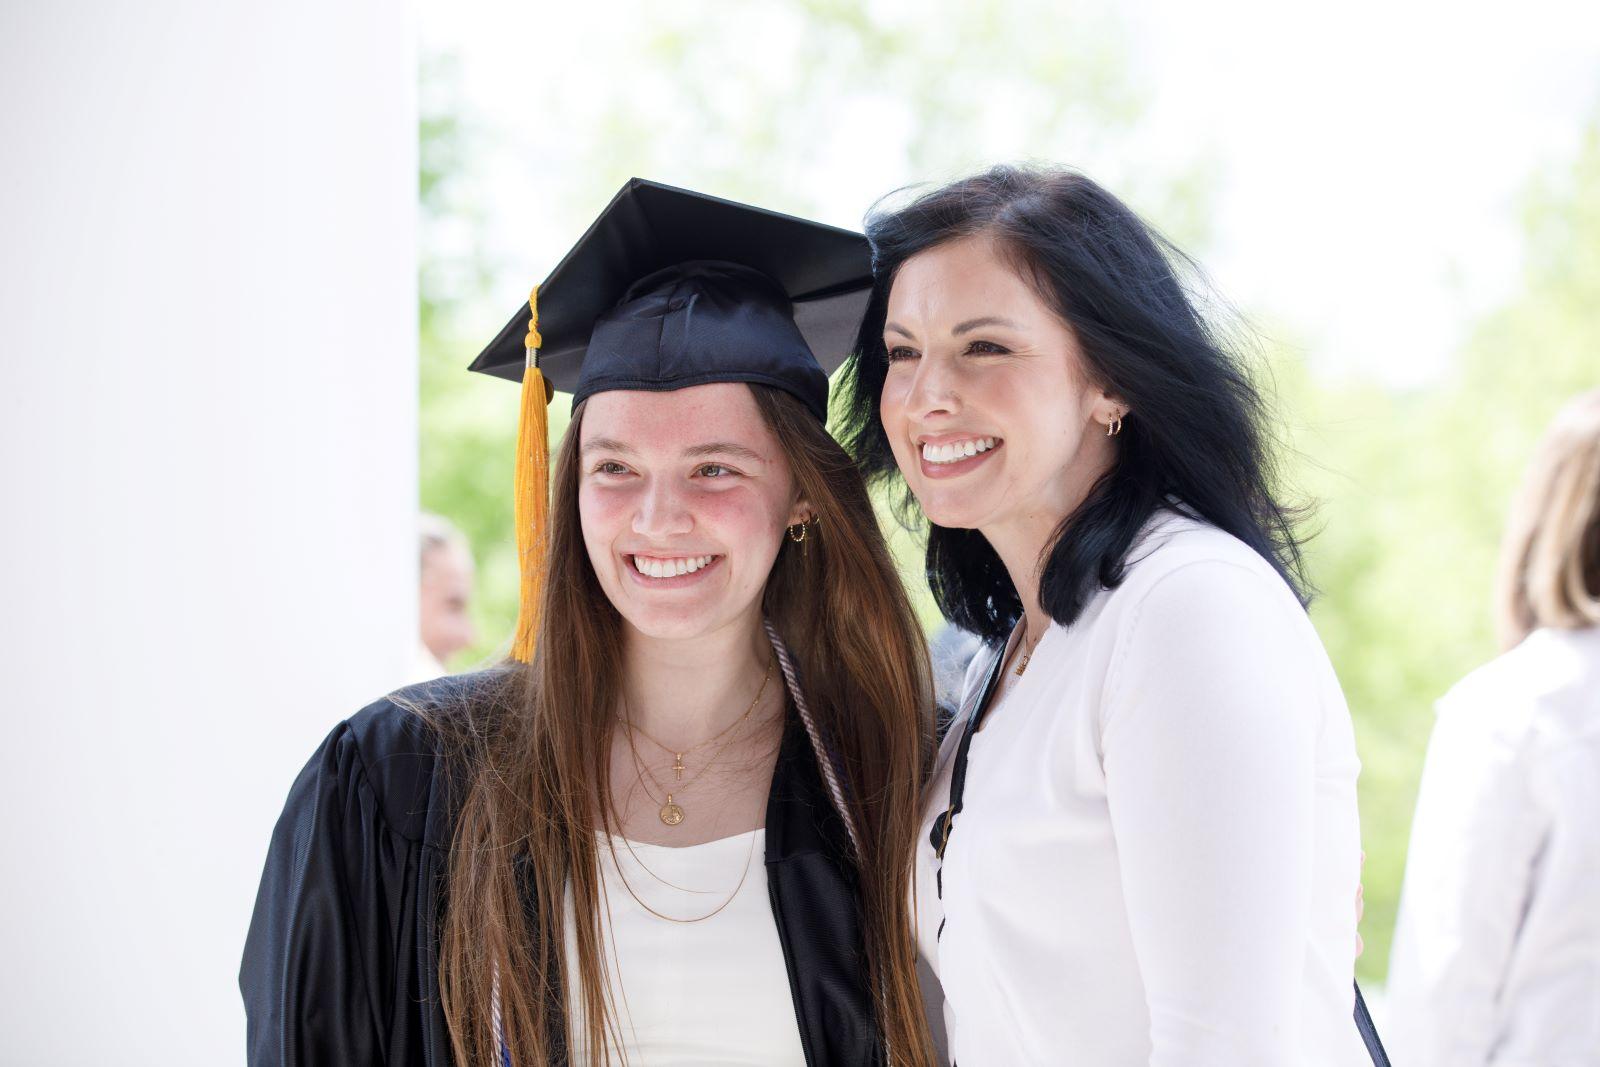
(682, 691)
(1020, 544)
(1022, 537)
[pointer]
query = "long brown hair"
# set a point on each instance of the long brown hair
(530, 763)
(1550, 558)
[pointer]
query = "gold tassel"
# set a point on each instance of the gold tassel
(532, 489)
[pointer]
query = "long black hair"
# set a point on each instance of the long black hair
(1195, 437)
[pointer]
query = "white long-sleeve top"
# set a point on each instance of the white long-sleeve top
(1496, 957)
(1157, 858)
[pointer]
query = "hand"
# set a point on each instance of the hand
(1361, 908)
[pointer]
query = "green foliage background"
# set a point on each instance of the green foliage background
(1410, 488)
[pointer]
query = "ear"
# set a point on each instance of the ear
(801, 512)
(1108, 407)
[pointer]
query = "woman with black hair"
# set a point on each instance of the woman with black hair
(1142, 842)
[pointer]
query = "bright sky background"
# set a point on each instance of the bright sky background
(1365, 159)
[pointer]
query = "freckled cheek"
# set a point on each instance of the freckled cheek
(604, 518)
(737, 518)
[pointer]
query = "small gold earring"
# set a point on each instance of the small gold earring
(1114, 427)
(802, 535)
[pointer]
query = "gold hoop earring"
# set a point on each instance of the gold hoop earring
(802, 537)
(1114, 427)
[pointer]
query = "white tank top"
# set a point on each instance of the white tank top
(710, 994)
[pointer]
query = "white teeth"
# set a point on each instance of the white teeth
(653, 567)
(957, 450)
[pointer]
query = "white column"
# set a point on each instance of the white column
(207, 480)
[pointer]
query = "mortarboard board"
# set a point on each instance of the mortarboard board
(669, 289)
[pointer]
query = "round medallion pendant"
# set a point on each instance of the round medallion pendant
(671, 814)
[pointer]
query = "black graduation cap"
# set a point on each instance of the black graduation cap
(671, 288)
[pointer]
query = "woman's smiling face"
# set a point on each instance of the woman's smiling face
(683, 497)
(987, 402)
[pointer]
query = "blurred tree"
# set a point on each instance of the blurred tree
(905, 91)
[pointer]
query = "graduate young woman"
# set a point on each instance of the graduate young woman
(680, 827)
(1141, 843)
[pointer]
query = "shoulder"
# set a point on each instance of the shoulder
(1540, 694)
(1200, 610)
(396, 747)
(1190, 565)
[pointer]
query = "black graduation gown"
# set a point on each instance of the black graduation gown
(341, 961)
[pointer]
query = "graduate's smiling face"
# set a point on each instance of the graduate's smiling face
(987, 400)
(684, 497)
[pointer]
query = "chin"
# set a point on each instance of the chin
(664, 625)
(955, 510)
(682, 620)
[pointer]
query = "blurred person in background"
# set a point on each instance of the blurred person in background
(1497, 948)
(445, 597)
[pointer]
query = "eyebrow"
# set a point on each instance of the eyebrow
(981, 322)
(724, 448)
(961, 328)
(711, 448)
(608, 444)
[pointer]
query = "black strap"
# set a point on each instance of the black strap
(1369, 1032)
(944, 826)
(958, 773)
(939, 837)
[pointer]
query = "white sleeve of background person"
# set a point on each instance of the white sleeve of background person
(1496, 957)
(1466, 882)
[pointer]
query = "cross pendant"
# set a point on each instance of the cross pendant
(677, 765)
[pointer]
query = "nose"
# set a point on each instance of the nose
(662, 512)
(932, 391)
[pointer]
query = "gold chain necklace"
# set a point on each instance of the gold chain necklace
(677, 756)
(1027, 648)
(611, 844)
(616, 820)
(672, 813)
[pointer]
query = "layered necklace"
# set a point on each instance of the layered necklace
(672, 813)
(744, 873)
